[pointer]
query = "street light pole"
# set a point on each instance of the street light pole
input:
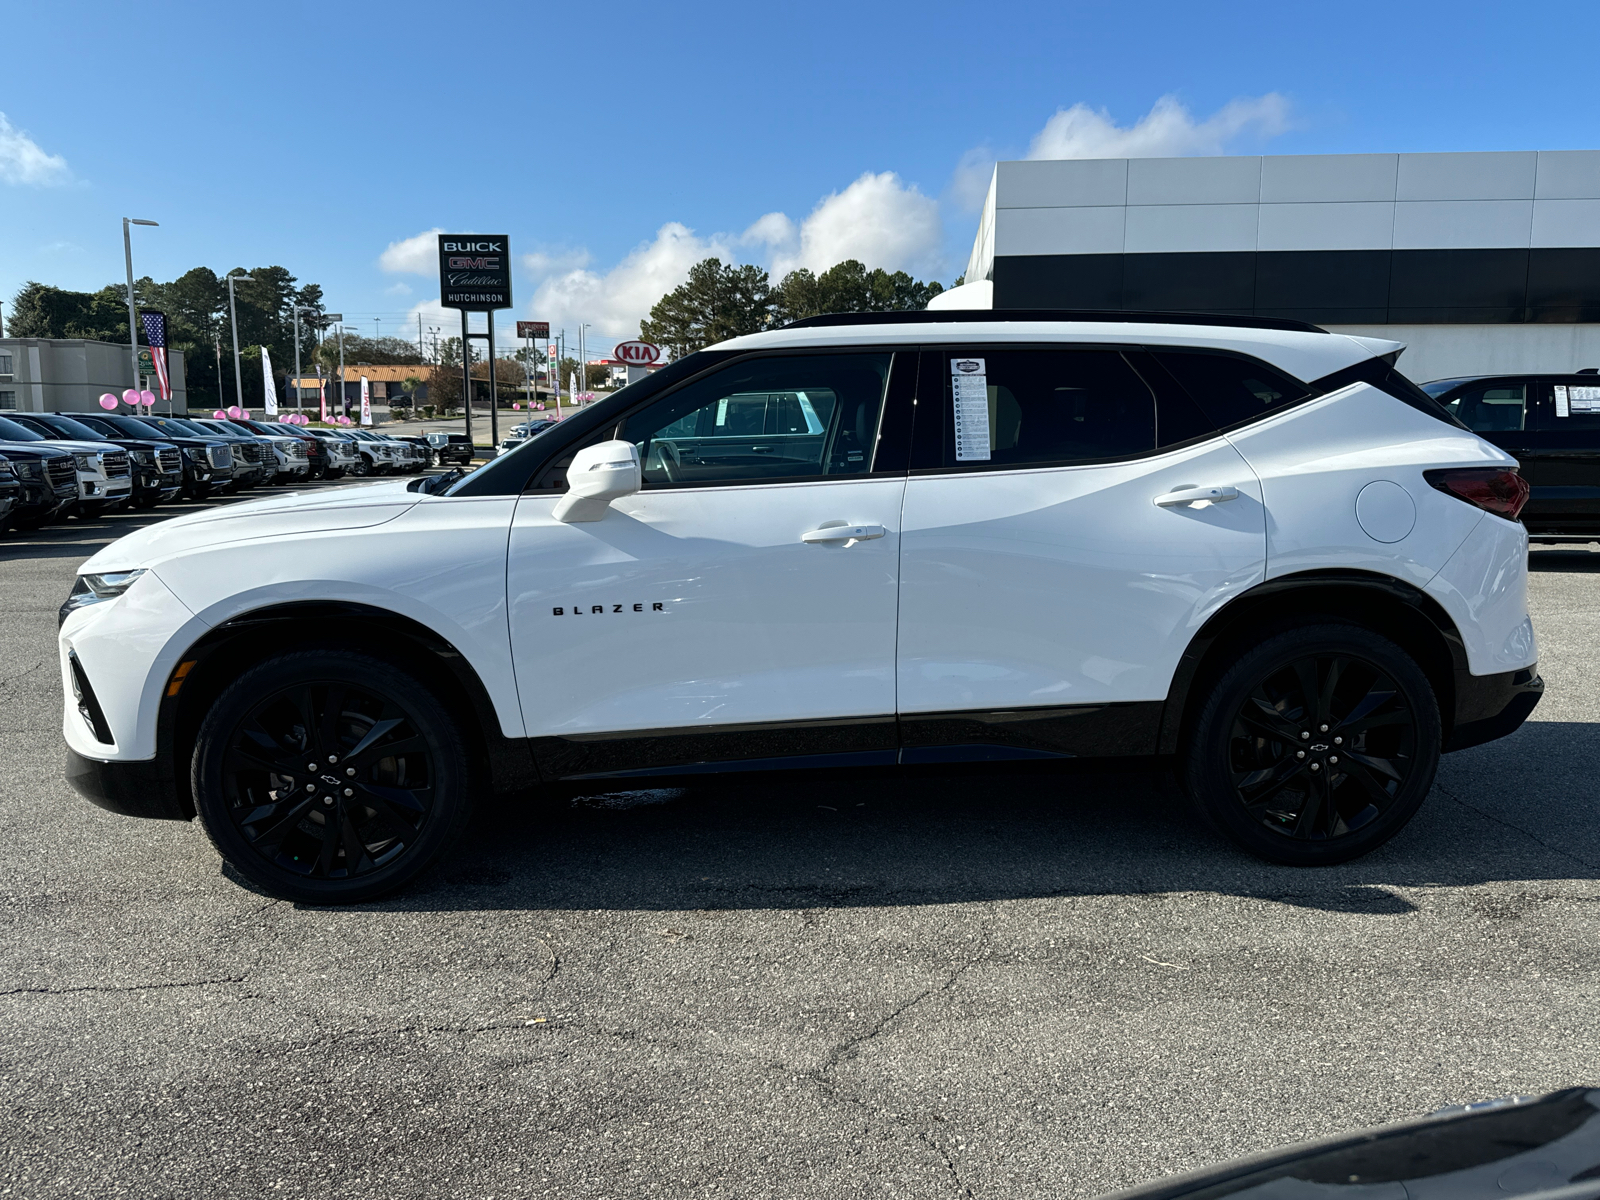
(233, 320)
(339, 330)
(133, 318)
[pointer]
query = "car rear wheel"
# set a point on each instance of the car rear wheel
(330, 777)
(1316, 746)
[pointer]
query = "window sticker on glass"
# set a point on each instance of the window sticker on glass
(1583, 399)
(1561, 401)
(969, 389)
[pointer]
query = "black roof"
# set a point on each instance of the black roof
(940, 316)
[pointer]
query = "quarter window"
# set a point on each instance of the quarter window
(765, 419)
(1232, 390)
(1009, 408)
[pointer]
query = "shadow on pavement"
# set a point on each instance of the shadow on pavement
(1501, 812)
(1563, 560)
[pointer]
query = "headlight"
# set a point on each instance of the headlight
(145, 458)
(195, 453)
(92, 589)
(86, 462)
(29, 470)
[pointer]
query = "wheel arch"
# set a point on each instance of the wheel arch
(1398, 610)
(222, 653)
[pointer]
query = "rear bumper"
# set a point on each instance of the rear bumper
(1492, 706)
(129, 789)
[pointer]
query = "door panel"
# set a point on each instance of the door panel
(1566, 457)
(1060, 585)
(703, 607)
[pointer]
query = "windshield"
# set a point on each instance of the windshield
(10, 431)
(1439, 387)
(167, 425)
(67, 427)
(194, 427)
(128, 427)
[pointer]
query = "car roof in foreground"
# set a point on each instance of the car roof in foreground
(1305, 351)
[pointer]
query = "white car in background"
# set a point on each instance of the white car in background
(105, 470)
(1247, 547)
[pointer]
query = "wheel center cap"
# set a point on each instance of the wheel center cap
(1319, 748)
(333, 782)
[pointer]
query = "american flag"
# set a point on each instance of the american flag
(155, 336)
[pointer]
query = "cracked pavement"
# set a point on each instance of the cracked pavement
(962, 983)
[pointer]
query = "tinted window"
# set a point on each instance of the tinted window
(1019, 407)
(11, 431)
(68, 428)
(166, 425)
(768, 418)
(1491, 407)
(1230, 389)
(1571, 407)
(129, 427)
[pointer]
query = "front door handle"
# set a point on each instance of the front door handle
(848, 534)
(1192, 494)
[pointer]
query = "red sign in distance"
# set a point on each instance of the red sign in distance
(637, 354)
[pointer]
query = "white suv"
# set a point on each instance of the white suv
(1249, 546)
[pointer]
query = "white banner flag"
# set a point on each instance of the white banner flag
(266, 381)
(366, 401)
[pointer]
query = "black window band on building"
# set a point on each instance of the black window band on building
(1325, 287)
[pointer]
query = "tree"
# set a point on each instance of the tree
(715, 303)
(850, 287)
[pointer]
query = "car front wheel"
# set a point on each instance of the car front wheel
(1316, 746)
(330, 777)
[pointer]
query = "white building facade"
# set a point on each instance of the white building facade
(71, 374)
(1480, 263)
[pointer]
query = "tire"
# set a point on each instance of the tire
(411, 788)
(1298, 772)
(361, 468)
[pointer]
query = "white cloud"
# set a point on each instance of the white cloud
(969, 185)
(774, 231)
(397, 288)
(877, 220)
(615, 302)
(1168, 129)
(22, 161)
(543, 263)
(413, 255)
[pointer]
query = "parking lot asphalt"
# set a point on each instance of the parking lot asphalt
(956, 984)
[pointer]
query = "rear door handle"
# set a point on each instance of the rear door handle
(849, 534)
(1192, 494)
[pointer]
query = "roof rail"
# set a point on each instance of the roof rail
(943, 316)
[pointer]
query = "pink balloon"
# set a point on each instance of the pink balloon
(147, 397)
(344, 420)
(220, 415)
(235, 411)
(245, 413)
(516, 406)
(130, 397)
(108, 402)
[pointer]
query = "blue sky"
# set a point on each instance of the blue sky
(617, 143)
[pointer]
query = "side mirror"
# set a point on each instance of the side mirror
(598, 475)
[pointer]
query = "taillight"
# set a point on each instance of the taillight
(1500, 490)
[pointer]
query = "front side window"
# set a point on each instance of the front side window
(1010, 408)
(1491, 408)
(1570, 407)
(765, 419)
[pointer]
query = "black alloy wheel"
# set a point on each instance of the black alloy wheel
(330, 777)
(1317, 746)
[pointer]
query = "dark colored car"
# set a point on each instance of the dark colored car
(451, 448)
(49, 480)
(1551, 423)
(254, 460)
(132, 431)
(316, 455)
(207, 462)
(10, 493)
(1535, 1147)
(157, 466)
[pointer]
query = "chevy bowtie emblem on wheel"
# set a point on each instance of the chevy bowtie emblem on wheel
(579, 610)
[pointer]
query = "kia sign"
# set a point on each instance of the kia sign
(475, 271)
(637, 354)
(533, 329)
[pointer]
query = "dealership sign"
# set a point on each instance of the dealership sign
(533, 329)
(474, 271)
(637, 354)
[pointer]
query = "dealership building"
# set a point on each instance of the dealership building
(71, 374)
(1483, 262)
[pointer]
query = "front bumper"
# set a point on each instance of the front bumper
(1492, 706)
(129, 789)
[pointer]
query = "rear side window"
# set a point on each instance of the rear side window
(1491, 407)
(1231, 390)
(1010, 408)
